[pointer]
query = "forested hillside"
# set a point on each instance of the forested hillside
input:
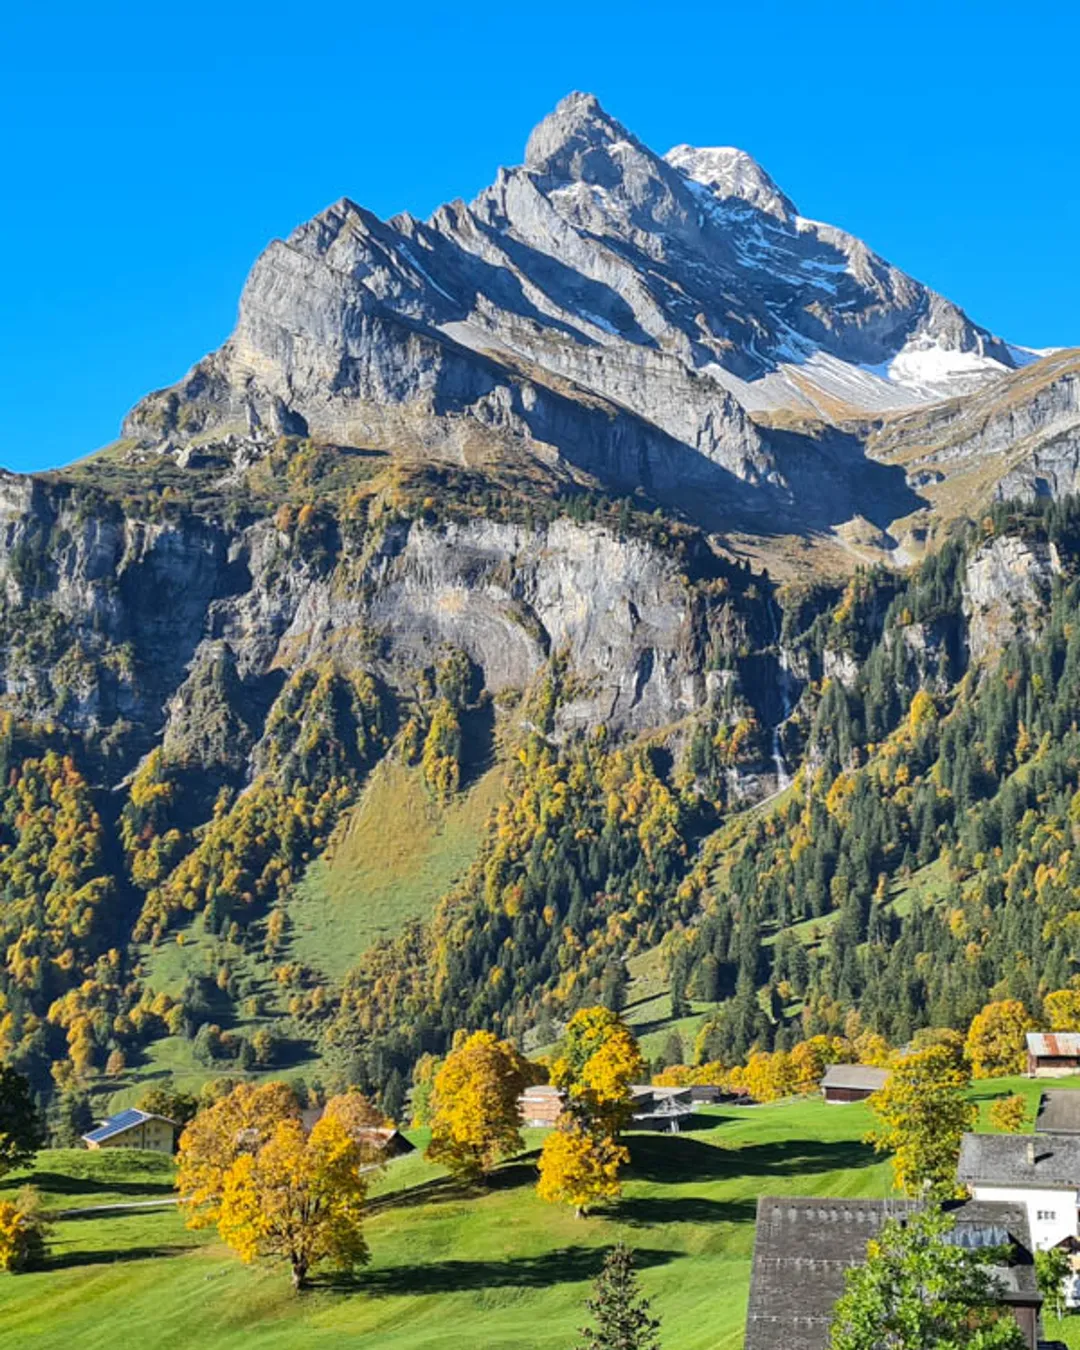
(806, 798)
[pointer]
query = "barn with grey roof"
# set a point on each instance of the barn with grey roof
(852, 1082)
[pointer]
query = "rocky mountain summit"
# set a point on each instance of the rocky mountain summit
(601, 310)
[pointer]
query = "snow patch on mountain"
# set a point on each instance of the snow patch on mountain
(930, 372)
(730, 173)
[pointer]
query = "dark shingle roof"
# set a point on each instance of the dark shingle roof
(1059, 1112)
(123, 1120)
(1019, 1160)
(804, 1246)
(855, 1077)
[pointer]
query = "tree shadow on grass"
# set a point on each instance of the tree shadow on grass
(520, 1172)
(59, 1260)
(59, 1183)
(700, 1123)
(523, 1272)
(676, 1158)
(645, 1211)
(443, 1190)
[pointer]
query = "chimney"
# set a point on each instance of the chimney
(1031, 1152)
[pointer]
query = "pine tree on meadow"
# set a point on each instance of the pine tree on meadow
(622, 1317)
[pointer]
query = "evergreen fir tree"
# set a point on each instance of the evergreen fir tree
(622, 1315)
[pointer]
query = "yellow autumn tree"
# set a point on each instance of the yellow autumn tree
(599, 1062)
(441, 758)
(475, 1118)
(355, 1112)
(1008, 1114)
(579, 1166)
(950, 1040)
(922, 714)
(768, 1077)
(995, 1043)
(923, 1113)
(23, 1232)
(299, 1198)
(1062, 1009)
(809, 1059)
(239, 1124)
(872, 1048)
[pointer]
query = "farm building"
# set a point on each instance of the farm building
(1053, 1054)
(1041, 1172)
(852, 1082)
(802, 1248)
(661, 1108)
(541, 1105)
(1059, 1112)
(387, 1141)
(707, 1094)
(134, 1129)
(654, 1108)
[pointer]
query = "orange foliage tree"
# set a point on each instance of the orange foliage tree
(579, 1167)
(475, 1118)
(995, 1042)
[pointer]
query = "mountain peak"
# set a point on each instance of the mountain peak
(729, 172)
(577, 131)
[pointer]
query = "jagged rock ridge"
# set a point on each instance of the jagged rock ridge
(601, 307)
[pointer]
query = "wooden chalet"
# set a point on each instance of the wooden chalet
(1053, 1054)
(541, 1105)
(852, 1082)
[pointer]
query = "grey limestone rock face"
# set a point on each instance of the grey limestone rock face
(1021, 434)
(185, 630)
(1006, 585)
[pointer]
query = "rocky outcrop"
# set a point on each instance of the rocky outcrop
(1021, 437)
(124, 630)
(1006, 585)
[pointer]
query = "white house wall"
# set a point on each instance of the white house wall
(1045, 1233)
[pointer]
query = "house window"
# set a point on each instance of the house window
(1046, 1215)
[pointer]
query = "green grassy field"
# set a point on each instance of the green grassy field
(494, 1268)
(391, 859)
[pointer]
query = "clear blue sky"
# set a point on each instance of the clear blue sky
(151, 151)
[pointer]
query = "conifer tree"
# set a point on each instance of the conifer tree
(622, 1316)
(20, 1126)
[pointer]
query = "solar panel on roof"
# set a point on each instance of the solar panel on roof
(123, 1120)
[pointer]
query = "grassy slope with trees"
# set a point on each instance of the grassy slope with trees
(495, 1266)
